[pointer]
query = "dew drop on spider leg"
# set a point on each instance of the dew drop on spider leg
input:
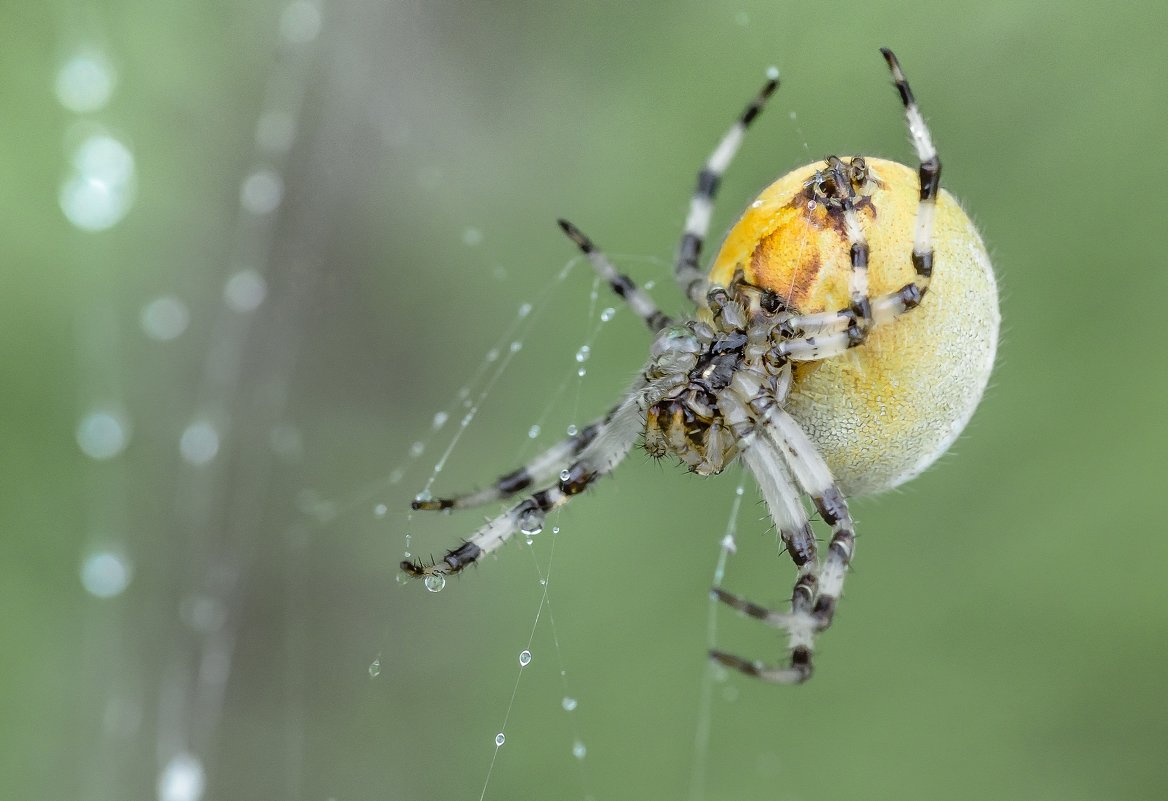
(583, 353)
(565, 474)
(435, 582)
(569, 703)
(524, 658)
(524, 310)
(500, 738)
(375, 668)
(578, 750)
(533, 432)
(531, 522)
(572, 430)
(423, 496)
(607, 314)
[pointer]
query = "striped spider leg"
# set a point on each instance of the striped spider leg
(611, 442)
(690, 279)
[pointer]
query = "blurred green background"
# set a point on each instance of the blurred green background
(251, 249)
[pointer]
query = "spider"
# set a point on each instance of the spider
(840, 342)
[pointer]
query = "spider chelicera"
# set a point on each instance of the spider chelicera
(840, 342)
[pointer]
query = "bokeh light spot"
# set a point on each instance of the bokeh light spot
(103, 434)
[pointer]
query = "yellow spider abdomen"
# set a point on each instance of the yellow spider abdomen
(886, 410)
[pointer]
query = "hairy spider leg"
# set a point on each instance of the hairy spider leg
(540, 469)
(690, 278)
(641, 304)
(765, 461)
(930, 181)
(610, 446)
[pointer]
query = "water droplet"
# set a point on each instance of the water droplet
(300, 22)
(380, 510)
(164, 318)
(583, 354)
(435, 582)
(439, 420)
(607, 314)
(792, 115)
(582, 372)
(756, 204)
(543, 582)
(524, 658)
(533, 432)
(739, 490)
(100, 190)
(578, 750)
(811, 205)
(105, 574)
(531, 522)
(102, 434)
(417, 449)
(772, 72)
(472, 237)
(568, 703)
(565, 474)
(199, 442)
(261, 191)
(572, 430)
(524, 310)
(650, 284)
(85, 83)
(423, 496)
(492, 354)
(182, 779)
(245, 291)
(516, 346)
(375, 668)
(408, 538)
(500, 738)
(555, 529)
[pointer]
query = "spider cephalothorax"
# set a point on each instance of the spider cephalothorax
(839, 343)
